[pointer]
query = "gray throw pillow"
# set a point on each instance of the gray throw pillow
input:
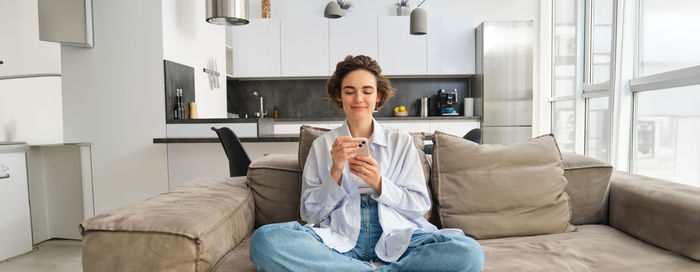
(494, 191)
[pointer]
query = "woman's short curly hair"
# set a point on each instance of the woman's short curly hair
(349, 64)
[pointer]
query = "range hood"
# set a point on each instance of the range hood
(227, 12)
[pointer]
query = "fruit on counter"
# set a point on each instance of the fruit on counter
(402, 108)
(396, 109)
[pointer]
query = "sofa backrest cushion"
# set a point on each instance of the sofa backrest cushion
(493, 191)
(275, 183)
(307, 135)
(588, 187)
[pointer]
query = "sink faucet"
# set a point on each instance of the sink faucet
(262, 111)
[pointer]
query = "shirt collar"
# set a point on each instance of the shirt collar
(377, 137)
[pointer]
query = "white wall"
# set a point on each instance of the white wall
(188, 39)
(113, 97)
(481, 10)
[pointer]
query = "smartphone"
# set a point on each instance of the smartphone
(364, 146)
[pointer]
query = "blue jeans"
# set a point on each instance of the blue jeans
(292, 247)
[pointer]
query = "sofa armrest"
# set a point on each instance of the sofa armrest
(186, 229)
(276, 184)
(662, 213)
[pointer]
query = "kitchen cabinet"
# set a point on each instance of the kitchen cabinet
(304, 47)
(60, 187)
(450, 45)
(256, 48)
(399, 52)
(15, 224)
(311, 47)
(351, 36)
(21, 51)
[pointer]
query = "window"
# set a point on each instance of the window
(598, 124)
(565, 72)
(597, 88)
(601, 40)
(657, 88)
(669, 35)
(666, 133)
(564, 124)
(666, 92)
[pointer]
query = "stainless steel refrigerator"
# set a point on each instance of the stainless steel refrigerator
(502, 87)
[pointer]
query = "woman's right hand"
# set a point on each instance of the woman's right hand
(340, 152)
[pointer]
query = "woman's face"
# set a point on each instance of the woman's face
(358, 92)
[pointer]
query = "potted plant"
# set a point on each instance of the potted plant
(345, 6)
(403, 8)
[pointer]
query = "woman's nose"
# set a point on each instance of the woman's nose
(357, 98)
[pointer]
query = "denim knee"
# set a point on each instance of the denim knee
(472, 252)
(262, 241)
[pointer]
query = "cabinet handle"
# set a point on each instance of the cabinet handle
(4, 172)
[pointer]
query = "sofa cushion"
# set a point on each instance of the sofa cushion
(588, 184)
(664, 213)
(186, 229)
(275, 182)
(492, 191)
(237, 259)
(307, 135)
(590, 248)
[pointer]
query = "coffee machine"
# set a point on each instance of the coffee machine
(447, 102)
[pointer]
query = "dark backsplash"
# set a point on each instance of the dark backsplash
(306, 98)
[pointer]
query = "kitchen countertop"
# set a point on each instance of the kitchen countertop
(280, 138)
(318, 119)
(290, 138)
(13, 147)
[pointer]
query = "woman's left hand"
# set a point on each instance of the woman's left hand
(368, 170)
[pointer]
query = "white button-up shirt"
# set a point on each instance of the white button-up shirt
(334, 210)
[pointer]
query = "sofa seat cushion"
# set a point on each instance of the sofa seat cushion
(237, 259)
(186, 229)
(590, 248)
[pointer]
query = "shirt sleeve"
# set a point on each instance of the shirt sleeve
(320, 194)
(403, 186)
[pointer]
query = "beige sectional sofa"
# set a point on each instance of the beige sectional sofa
(623, 222)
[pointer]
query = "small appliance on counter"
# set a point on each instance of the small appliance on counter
(447, 102)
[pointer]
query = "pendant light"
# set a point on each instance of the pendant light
(419, 21)
(227, 12)
(332, 10)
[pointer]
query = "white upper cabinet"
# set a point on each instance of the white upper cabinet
(352, 36)
(311, 47)
(399, 52)
(304, 47)
(451, 42)
(20, 49)
(256, 48)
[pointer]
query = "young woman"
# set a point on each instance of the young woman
(363, 209)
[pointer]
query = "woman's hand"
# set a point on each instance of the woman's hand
(368, 170)
(340, 153)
